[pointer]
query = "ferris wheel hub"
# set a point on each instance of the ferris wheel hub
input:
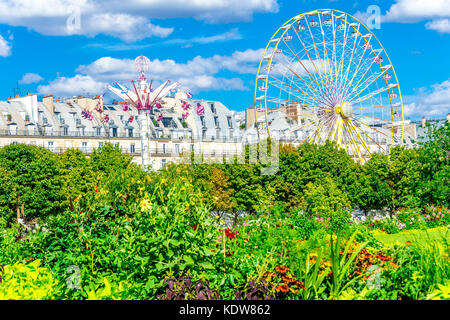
(345, 109)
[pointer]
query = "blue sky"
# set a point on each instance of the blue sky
(211, 46)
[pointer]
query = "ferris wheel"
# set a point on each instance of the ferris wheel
(336, 81)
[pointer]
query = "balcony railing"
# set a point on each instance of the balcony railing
(169, 152)
(38, 132)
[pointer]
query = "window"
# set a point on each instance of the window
(132, 148)
(98, 131)
(163, 163)
(100, 144)
(169, 123)
(130, 132)
(192, 147)
(216, 121)
(81, 131)
(50, 146)
(30, 130)
(213, 109)
(65, 131)
(12, 129)
(177, 148)
(202, 119)
(114, 132)
(230, 123)
(164, 148)
(84, 146)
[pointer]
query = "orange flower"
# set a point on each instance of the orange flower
(269, 274)
(282, 288)
(287, 279)
(281, 269)
(300, 284)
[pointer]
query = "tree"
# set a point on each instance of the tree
(78, 175)
(374, 192)
(434, 157)
(324, 197)
(34, 175)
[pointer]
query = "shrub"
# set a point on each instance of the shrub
(26, 282)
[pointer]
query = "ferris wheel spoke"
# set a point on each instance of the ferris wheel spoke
(317, 52)
(310, 59)
(362, 77)
(371, 107)
(356, 120)
(351, 58)
(301, 63)
(351, 145)
(334, 47)
(360, 139)
(279, 100)
(372, 94)
(372, 117)
(357, 68)
(304, 126)
(371, 82)
(344, 44)
(329, 80)
(328, 123)
(370, 138)
(311, 136)
(292, 87)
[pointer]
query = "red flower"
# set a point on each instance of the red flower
(230, 234)
(193, 226)
(96, 189)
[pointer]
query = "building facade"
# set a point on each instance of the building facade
(59, 125)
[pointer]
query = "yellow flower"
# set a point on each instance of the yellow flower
(145, 204)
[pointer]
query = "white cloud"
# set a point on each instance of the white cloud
(417, 10)
(198, 74)
(79, 84)
(436, 12)
(433, 101)
(127, 20)
(5, 47)
(442, 25)
(30, 78)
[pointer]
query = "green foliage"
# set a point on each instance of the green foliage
(26, 282)
(128, 231)
(324, 197)
(30, 177)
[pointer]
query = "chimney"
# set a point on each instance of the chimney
(424, 121)
(47, 100)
